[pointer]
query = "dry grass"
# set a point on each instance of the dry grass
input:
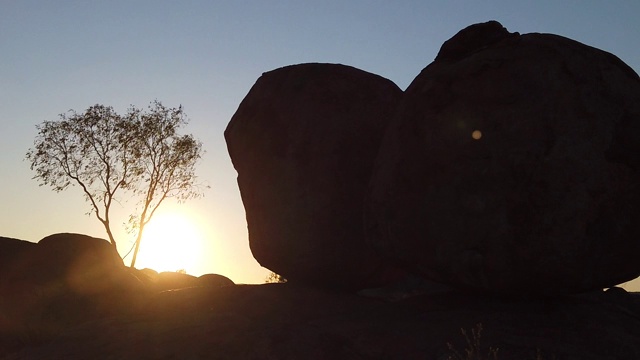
(473, 349)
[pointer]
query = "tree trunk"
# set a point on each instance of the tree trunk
(138, 240)
(112, 240)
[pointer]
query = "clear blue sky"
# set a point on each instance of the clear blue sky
(206, 55)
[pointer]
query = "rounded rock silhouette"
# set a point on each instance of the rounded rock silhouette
(512, 166)
(303, 141)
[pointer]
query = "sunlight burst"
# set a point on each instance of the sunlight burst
(170, 242)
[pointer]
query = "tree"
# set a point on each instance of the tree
(109, 156)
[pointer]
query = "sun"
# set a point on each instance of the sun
(170, 242)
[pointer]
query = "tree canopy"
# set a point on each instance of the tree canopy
(138, 155)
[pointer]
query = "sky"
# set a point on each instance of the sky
(206, 55)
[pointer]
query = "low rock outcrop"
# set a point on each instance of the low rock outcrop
(68, 279)
(12, 259)
(168, 280)
(513, 166)
(303, 141)
(83, 263)
(63, 279)
(214, 280)
(61, 262)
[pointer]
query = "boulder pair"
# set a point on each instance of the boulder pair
(510, 164)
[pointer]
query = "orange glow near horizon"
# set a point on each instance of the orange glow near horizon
(171, 242)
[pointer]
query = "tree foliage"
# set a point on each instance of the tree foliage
(139, 155)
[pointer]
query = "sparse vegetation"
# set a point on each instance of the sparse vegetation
(473, 350)
(274, 278)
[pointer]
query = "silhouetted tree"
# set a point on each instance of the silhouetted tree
(108, 155)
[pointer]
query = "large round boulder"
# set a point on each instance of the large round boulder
(513, 165)
(303, 142)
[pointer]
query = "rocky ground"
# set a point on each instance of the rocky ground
(279, 321)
